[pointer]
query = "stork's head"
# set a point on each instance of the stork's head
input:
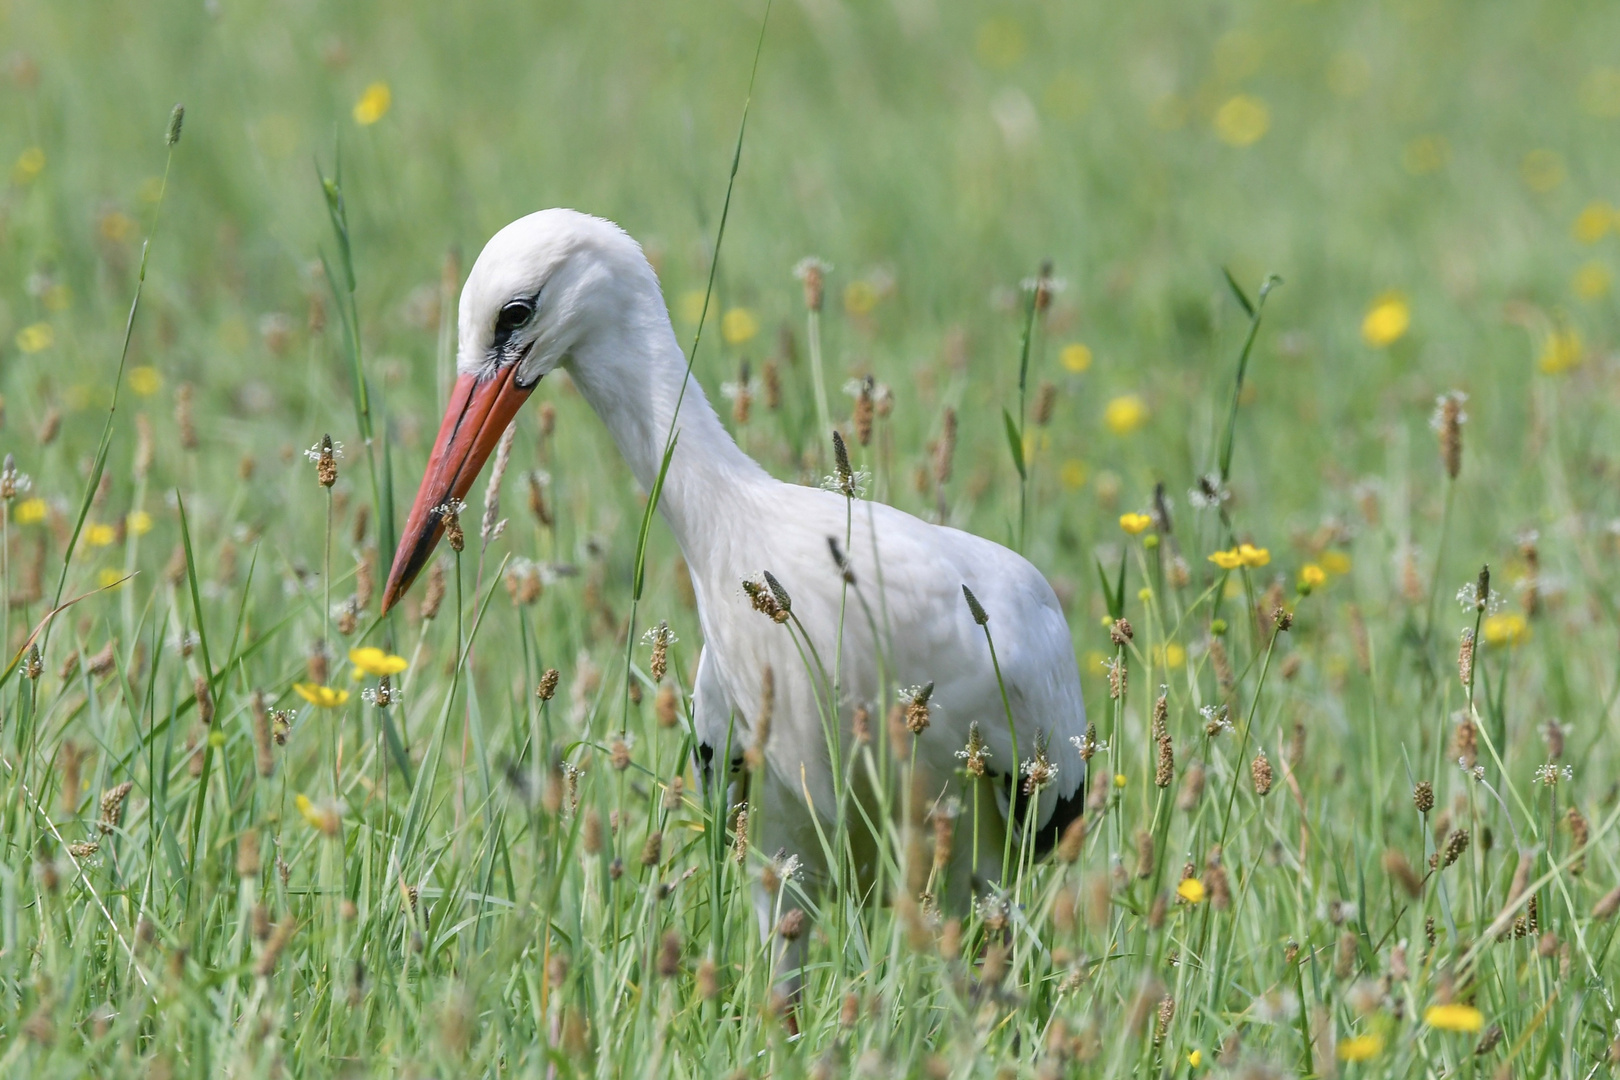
(540, 286)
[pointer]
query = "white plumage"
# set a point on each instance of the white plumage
(595, 309)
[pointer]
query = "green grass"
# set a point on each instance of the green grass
(447, 903)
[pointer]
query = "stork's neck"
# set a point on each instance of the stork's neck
(631, 374)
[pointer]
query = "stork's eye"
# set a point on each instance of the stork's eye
(514, 315)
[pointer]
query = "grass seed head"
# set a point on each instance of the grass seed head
(1164, 768)
(1456, 844)
(433, 593)
(112, 806)
(1120, 632)
(1070, 844)
(1465, 656)
(177, 119)
(975, 608)
(548, 684)
(652, 852)
(1423, 796)
(1260, 771)
(945, 448)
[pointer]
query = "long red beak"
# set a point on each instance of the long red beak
(479, 412)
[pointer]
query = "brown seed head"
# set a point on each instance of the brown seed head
(1069, 845)
(1120, 632)
(1456, 844)
(652, 852)
(1396, 866)
(1045, 403)
(1465, 656)
(1423, 796)
(862, 416)
(112, 806)
(917, 714)
(1192, 787)
(1260, 770)
(791, 926)
(1164, 769)
(548, 684)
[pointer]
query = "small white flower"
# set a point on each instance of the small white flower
(314, 452)
(1468, 597)
(1438, 419)
(454, 506)
(860, 481)
(1208, 493)
(810, 264)
(1551, 773)
(658, 633)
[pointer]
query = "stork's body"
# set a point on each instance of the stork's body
(559, 288)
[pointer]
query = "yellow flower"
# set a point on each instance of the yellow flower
(1171, 655)
(1125, 414)
(323, 818)
(1600, 92)
(100, 535)
(1135, 523)
(1591, 281)
(35, 337)
(1227, 560)
(1593, 222)
(1073, 474)
(999, 42)
(1191, 890)
(1426, 154)
(1336, 562)
(373, 104)
(1075, 357)
(324, 696)
(1387, 321)
(116, 226)
(1560, 352)
(1508, 628)
(107, 577)
(31, 511)
(307, 808)
(1253, 556)
(738, 326)
(1543, 170)
(1119, 779)
(1196, 1058)
(374, 661)
(1312, 576)
(1242, 121)
(139, 522)
(860, 297)
(691, 305)
(1454, 1017)
(30, 163)
(144, 380)
(1361, 1048)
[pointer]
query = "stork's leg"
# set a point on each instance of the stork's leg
(784, 832)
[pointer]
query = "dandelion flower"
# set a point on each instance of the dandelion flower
(1593, 222)
(324, 696)
(36, 337)
(1387, 321)
(145, 380)
(30, 163)
(738, 325)
(1242, 120)
(1361, 1048)
(1454, 1017)
(1561, 351)
(1191, 890)
(377, 662)
(1135, 523)
(1253, 556)
(373, 104)
(1075, 358)
(1126, 413)
(1507, 628)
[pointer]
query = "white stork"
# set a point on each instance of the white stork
(561, 288)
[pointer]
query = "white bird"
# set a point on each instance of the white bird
(562, 289)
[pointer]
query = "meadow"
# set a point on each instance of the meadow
(1281, 333)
